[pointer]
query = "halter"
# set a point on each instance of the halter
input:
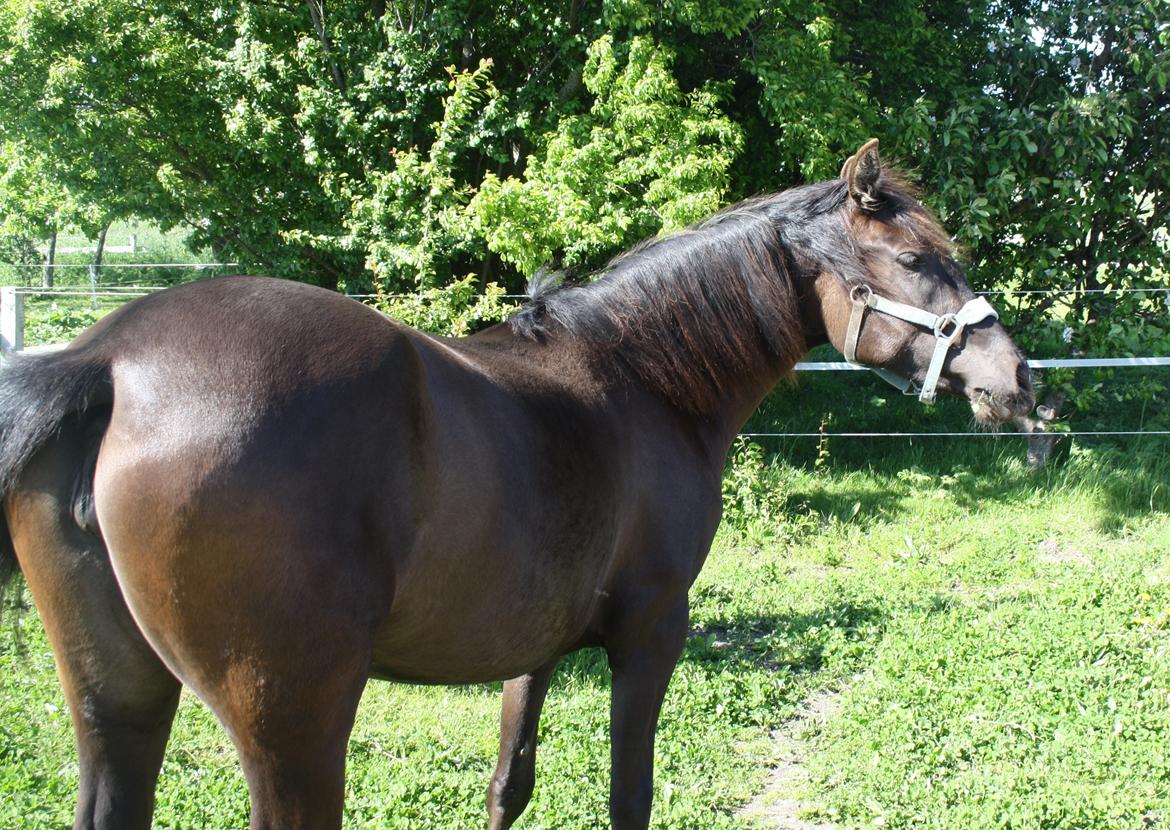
(946, 328)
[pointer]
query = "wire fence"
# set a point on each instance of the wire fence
(1090, 433)
(128, 292)
(115, 265)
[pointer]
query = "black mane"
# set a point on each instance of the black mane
(686, 311)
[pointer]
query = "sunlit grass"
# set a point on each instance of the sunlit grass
(1000, 637)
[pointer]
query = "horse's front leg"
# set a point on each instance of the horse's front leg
(642, 658)
(515, 775)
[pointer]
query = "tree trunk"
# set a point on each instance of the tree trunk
(101, 246)
(96, 268)
(50, 260)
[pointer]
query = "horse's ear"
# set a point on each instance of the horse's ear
(862, 171)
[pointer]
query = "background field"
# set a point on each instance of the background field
(999, 638)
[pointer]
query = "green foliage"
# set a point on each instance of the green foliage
(1043, 159)
(33, 205)
(409, 144)
(57, 324)
(454, 310)
(752, 502)
(645, 158)
(412, 217)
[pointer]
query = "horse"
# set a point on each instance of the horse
(270, 493)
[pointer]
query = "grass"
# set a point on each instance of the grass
(1001, 639)
(1023, 679)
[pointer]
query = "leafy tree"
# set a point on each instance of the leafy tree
(644, 158)
(1049, 156)
(34, 205)
(415, 142)
(28, 205)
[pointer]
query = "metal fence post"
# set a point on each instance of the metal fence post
(11, 319)
(93, 283)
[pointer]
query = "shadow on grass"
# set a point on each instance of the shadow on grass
(794, 644)
(1127, 484)
(797, 644)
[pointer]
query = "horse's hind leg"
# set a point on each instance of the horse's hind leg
(293, 748)
(121, 697)
(272, 631)
(515, 775)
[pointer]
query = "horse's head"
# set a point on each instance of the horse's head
(893, 298)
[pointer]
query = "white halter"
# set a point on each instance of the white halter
(946, 328)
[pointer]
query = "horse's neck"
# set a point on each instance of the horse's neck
(722, 426)
(748, 390)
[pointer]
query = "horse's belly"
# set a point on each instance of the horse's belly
(468, 650)
(457, 655)
(489, 619)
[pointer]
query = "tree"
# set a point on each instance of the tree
(34, 205)
(417, 142)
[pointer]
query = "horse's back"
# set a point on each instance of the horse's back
(252, 390)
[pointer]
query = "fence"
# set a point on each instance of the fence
(12, 325)
(102, 277)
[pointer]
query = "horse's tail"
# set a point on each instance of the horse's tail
(37, 394)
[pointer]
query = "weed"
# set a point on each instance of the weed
(752, 501)
(820, 464)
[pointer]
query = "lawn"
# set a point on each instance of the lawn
(1000, 640)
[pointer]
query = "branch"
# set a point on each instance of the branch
(317, 13)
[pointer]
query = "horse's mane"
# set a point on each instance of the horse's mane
(690, 312)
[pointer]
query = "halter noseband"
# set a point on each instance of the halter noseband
(946, 328)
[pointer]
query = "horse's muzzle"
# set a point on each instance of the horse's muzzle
(997, 406)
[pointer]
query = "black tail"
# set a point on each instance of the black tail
(37, 393)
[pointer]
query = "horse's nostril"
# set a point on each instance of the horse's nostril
(1024, 375)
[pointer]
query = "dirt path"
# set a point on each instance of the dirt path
(777, 807)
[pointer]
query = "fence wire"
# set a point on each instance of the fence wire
(1037, 363)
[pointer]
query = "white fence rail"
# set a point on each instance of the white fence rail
(12, 318)
(1039, 363)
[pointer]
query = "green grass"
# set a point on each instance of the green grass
(1001, 639)
(1023, 678)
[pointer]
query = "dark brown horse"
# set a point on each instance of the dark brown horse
(270, 493)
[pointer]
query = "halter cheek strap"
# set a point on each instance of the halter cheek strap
(946, 327)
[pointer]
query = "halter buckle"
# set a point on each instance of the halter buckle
(860, 294)
(941, 324)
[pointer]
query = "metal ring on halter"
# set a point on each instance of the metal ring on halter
(940, 326)
(856, 297)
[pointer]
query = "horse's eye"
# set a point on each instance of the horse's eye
(909, 260)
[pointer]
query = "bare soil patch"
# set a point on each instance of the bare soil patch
(778, 806)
